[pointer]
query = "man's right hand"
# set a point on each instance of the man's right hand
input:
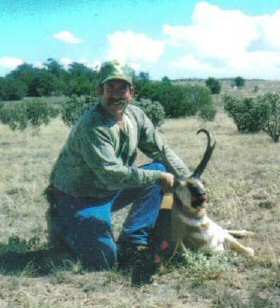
(167, 181)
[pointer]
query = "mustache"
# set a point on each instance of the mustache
(118, 102)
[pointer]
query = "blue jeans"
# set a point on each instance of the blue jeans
(86, 227)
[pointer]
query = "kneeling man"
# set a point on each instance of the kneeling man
(95, 175)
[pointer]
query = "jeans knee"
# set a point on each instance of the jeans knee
(156, 166)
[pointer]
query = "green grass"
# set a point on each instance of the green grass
(243, 183)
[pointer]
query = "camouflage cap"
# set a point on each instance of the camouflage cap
(114, 70)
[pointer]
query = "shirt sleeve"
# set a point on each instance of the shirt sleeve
(97, 150)
(151, 143)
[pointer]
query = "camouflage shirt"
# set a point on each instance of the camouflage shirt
(98, 158)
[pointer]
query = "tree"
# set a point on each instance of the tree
(82, 80)
(54, 68)
(144, 76)
(81, 70)
(44, 84)
(214, 85)
(79, 86)
(166, 80)
(11, 89)
(24, 73)
(239, 82)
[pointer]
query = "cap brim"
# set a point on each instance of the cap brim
(117, 78)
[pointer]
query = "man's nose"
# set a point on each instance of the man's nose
(118, 94)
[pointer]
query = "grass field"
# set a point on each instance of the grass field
(243, 183)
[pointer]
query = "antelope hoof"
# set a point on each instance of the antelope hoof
(249, 252)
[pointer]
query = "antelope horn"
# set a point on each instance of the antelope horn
(207, 154)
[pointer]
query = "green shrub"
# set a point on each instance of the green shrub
(20, 115)
(153, 110)
(239, 82)
(11, 89)
(74, 107)
(208, 112)
(214, 85)
(248, 114)
(202, 103)
(204, 266)
(177, 100)
(272, 122)
(79, 86)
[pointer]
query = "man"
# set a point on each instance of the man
(95, 175)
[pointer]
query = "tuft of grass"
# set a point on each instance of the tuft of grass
(200, 267)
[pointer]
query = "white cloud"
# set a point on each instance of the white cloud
(66, 61)
(39, 64)
(134, 48)
(67, 37)
(91, 64)
(226, 42)
(10, 62)
(192, 63)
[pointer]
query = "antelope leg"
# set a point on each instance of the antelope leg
(239, 248)
(241, 233)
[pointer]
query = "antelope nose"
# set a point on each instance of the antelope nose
(203, 197)
(199, 199)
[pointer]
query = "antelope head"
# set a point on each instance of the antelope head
(190, 192)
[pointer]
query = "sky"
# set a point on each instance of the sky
(178, 38)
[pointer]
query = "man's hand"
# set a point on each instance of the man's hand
(167, 181)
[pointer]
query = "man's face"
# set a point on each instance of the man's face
(116, 95)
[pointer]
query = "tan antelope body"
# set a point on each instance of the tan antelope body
(192, 228)
(190, 225)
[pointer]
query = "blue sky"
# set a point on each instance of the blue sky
(179, 38)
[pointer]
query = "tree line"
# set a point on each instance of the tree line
(159, 99)
(54, 80)
(50, 80)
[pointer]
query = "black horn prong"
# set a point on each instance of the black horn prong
(207, 154)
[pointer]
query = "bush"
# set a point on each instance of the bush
(239, 82)
(201, 101)
(20, 115)
(79, 86)
(74, 107)
(248, 114)
(272, 123)
(153, 110)
(177, 100)
(213, 85)
(207, 112)
(11, 89)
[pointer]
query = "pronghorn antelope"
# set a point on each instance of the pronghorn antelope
(190, 225)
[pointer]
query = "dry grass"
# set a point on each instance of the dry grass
(243, 183)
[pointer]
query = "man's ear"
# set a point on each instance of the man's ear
(132, 91)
